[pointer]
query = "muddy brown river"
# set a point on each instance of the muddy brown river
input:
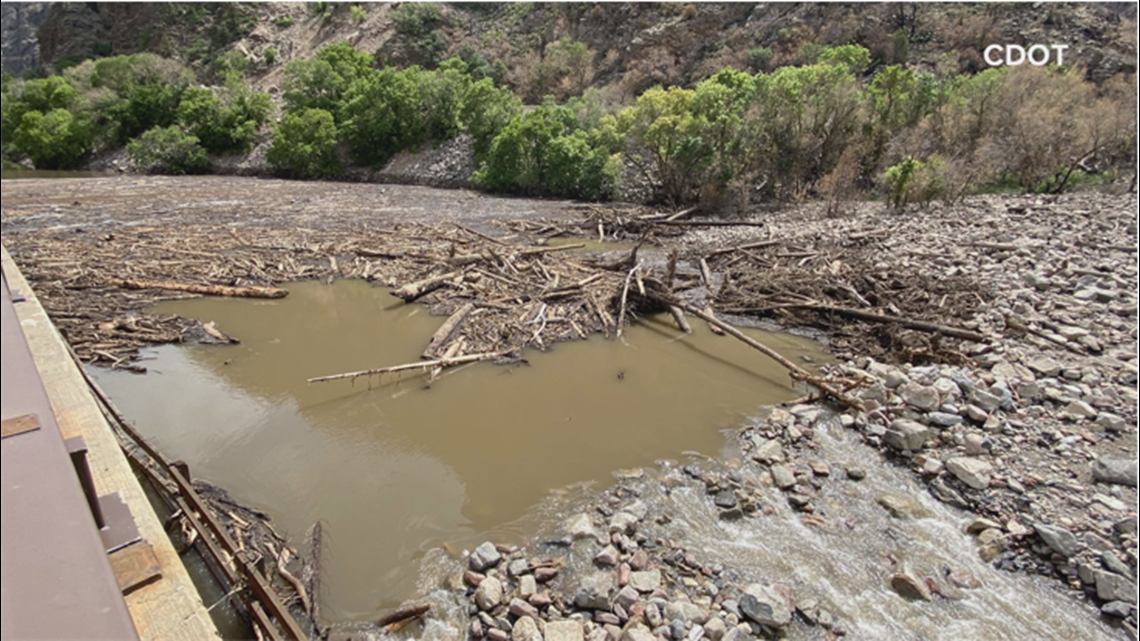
(393, 469)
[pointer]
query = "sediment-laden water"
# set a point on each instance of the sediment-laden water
(393, 469)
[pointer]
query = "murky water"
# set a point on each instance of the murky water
(395, 470)
(842, 560)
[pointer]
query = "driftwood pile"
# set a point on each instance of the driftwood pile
(513, 292)
(501, 294)
(899, 313)
(625, 223)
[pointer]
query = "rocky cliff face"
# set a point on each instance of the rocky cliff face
(19, 41)
(631, 46)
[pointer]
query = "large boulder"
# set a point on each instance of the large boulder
(564, 631)
(484, 557)
(972, 471)
(905, 434)
(489, 593)
(1058, 539)
(593, 591)
(764, 605)
(1115, 471)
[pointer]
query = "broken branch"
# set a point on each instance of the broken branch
(207, 290)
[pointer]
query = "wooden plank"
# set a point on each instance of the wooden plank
(19, 425)
(135, 566)
(169, 608)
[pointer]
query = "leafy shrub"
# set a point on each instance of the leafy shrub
(146, 90)
(230, 65)
(478, 67)
(270, 56)
(544, 153)
(224, 125)
(357, 13)
(565, 70)
(915, 181)
(168, 150)
(760, 57)
(900, 47)
(304, 145)
(55, 140)
(321, 82)
(382, 114)
(486, 111)
(417, 19)
(441, 95)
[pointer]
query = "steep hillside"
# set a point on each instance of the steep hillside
(560, 49)
(19, 35)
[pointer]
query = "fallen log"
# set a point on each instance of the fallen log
(298, 587)
(452, 350)
(207, 290)
(756, 245)
(709, 223)
(312, 573)
(681, 214)
(624, 297)
(679, 318)
(550, 250)
(412, 291)
(443, 334)
(706, 273)
(445, 362)
(924, 326)
(713, 327)
(1016, 324)
(213, 332)
(797, 372)
(402, 616)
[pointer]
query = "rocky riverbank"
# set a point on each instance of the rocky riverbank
(1024, 440)
(1032, 431)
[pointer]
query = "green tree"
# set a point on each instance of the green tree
(665, 139)
(168, 150)
(441, 96)
(855, 57)
(228, 123)
(724, 102)
(323, 81)
(42, 95)
(46, 94)
(146, 89)
(809, 116)
(304, 145)
(543, 152)
(55, 140)
(382, 114)
(486, 110)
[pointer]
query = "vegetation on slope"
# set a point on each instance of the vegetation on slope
(833, 124)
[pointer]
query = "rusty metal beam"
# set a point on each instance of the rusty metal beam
(253, 577)
(212, 532)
